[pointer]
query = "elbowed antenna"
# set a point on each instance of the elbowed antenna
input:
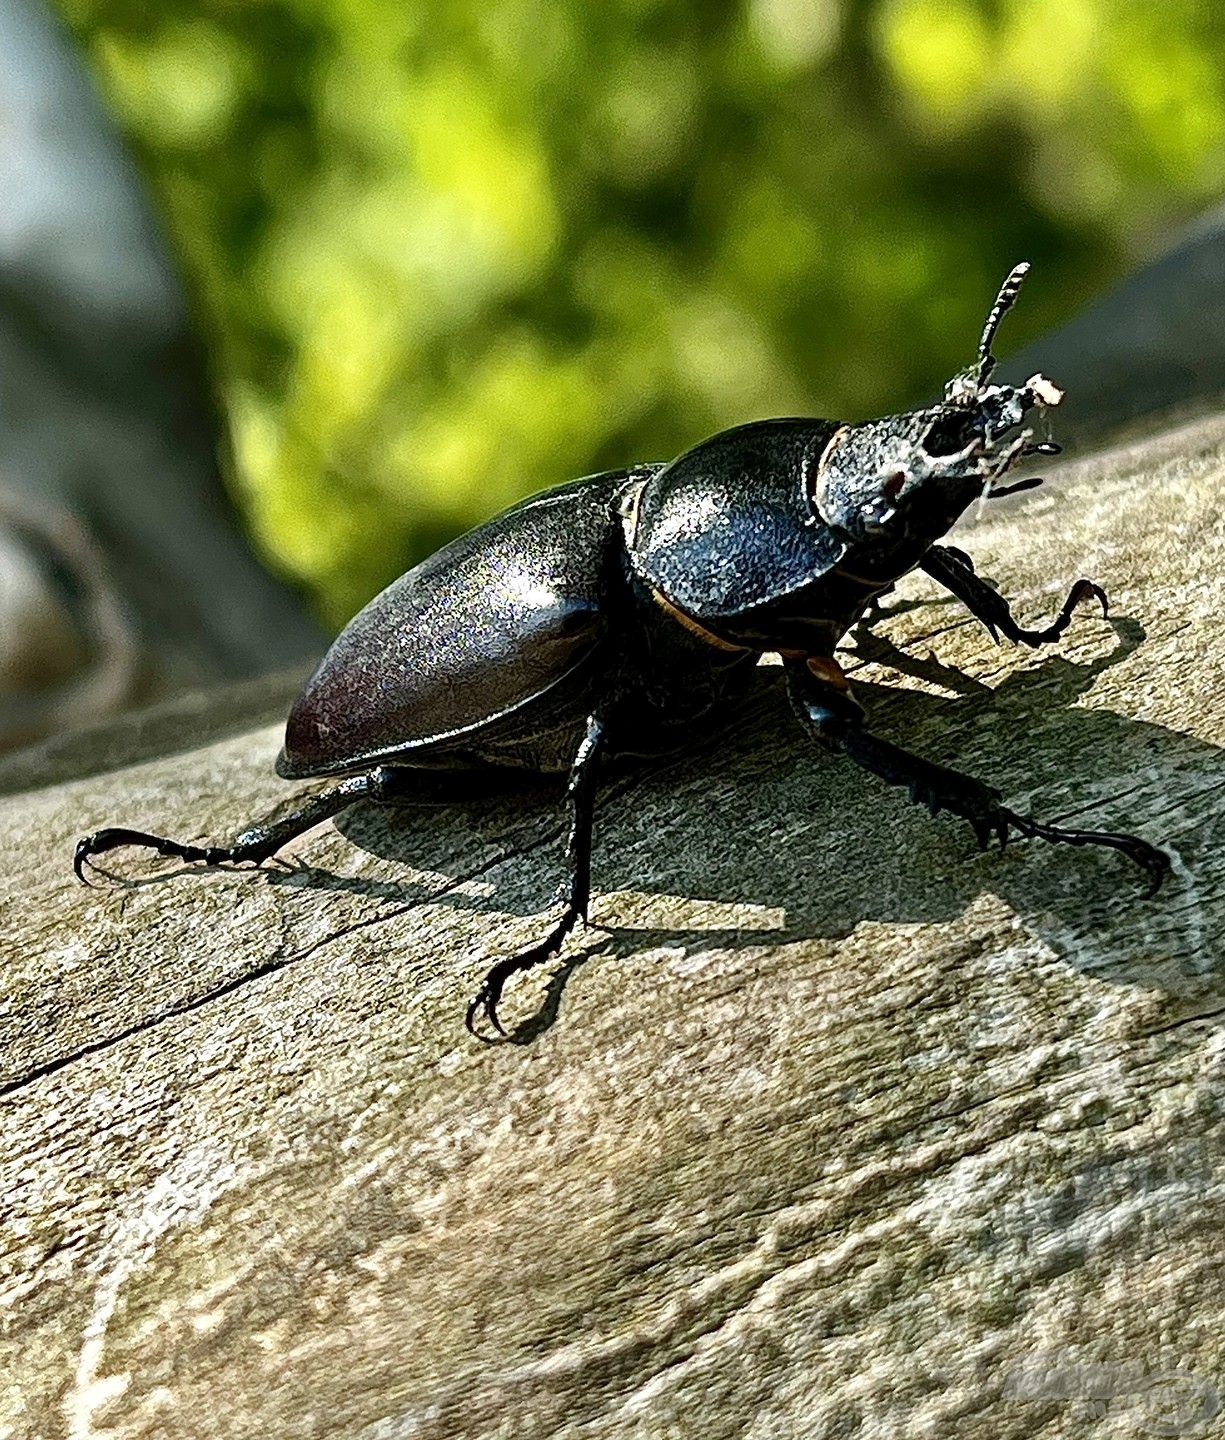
(1004, 302)
(967, 386)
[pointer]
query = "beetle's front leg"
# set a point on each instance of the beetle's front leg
(954, 570)
(837, 719)
(575, 891)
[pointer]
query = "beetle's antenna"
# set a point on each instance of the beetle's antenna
(1004, 302)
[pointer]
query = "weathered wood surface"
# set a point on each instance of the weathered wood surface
(836, 1126)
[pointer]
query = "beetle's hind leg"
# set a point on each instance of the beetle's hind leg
(954, 570)
(575, 891)
(260, 841)
(838, 721)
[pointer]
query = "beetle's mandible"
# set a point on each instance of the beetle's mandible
(604, 617)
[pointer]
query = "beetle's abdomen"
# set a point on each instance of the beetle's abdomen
(483, 627)
(729, 526)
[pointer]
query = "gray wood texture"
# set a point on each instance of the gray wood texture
(832, 1126)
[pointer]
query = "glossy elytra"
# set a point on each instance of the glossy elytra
(604, 617)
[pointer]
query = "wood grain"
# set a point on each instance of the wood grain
(830, 1127)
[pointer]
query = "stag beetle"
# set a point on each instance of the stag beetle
(604, 617)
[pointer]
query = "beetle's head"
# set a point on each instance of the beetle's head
(910, 476)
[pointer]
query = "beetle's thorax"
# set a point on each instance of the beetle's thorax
(728, 529)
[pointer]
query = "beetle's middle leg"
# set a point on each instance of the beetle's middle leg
(838, 721)
(260, 841)
(575, 891)
(954, 570)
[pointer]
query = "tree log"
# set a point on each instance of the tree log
(830, 1125)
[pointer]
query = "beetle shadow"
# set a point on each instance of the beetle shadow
(794, 811)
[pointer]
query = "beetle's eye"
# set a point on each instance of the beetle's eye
(892, 487)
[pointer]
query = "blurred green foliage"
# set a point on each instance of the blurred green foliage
(447, 253)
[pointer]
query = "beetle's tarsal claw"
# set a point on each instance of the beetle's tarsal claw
(80, 858)
(1098, 594)
(485, 1001)
(1082, 590)
(1154, 862)
(117, 838)
(1158, 867)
